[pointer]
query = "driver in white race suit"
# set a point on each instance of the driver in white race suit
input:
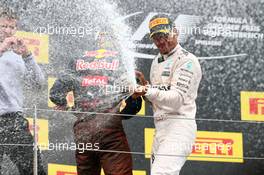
(175, 76)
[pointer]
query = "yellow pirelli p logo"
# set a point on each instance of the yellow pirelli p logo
(209, 146)
(252, 106)
(38, 44)
(158, 21)
(58, 169)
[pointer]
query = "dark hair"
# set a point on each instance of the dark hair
(9, 13)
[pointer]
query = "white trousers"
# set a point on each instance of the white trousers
(172, 145)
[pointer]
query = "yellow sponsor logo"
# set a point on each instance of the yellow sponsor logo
(209, 146)
(58, 169)
(38, 44)
(218, 147)
(252, 106)
(69, 97)
(42, 128)
(101, 53)
(158, 21)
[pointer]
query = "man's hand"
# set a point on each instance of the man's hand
(141, 78)
(140, 91)
(15, 44)
(7, 44)
(21, 49)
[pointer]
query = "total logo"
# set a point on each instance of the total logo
(94, 81)
(95, 65)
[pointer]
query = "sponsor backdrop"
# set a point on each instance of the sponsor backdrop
(228, 38)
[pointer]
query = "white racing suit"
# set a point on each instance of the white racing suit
(174, 80)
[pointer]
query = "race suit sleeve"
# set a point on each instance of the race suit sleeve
(132, 107)
(183, 84)
(33, 76)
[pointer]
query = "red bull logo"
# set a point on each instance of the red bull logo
(94, 81)
(95, 65)
(101, 53)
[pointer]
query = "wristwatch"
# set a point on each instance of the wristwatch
(1, 53)
(27, 55)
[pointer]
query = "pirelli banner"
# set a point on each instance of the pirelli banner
(209, 146)
(226, 36)
(58, 169)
